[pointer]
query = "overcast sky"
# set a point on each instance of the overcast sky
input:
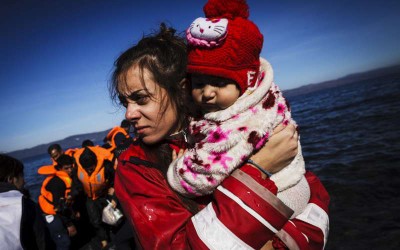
(57, 56)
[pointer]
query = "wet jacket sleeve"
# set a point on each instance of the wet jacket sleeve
(244, 211)
(309, 230)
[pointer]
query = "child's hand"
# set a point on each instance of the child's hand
(180, 153)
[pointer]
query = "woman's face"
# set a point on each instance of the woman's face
(150, 112)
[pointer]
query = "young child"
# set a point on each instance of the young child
(240, 102)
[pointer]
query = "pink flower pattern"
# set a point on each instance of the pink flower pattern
(218, 135)
(221, 158)
(254, 110)
(281, 108)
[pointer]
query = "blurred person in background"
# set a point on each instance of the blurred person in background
(55, 200)
(21, 222)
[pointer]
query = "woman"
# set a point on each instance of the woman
(149, 81)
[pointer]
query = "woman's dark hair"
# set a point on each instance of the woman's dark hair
(10, 168)
(164, 55)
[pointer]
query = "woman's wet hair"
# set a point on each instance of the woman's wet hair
(10, 168)
(163, 54)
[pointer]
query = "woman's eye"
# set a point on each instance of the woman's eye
(123, 101)
(141, 100)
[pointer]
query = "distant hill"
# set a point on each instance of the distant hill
(69, 142)
(306, 89)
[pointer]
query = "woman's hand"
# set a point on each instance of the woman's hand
(279, 151)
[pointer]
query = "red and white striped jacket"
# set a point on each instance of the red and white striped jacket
(243, 213)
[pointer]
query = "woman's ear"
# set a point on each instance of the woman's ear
(185, 87)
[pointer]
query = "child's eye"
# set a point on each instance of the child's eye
(197, 84)
(219, 84)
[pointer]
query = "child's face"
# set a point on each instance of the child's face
(213, 93)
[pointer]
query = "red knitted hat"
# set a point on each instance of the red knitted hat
(225, 43)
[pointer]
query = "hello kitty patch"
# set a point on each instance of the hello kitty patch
(207, 32)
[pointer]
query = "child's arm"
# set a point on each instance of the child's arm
(198, 171)
(188, 178)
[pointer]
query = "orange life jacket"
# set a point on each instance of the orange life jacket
(71, 151)
(46, 198)
(105, 153)
(111, 135)
(94, 185)
(47, 169)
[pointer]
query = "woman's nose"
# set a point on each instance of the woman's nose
(132, 112)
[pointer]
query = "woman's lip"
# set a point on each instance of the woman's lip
(140, 130)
